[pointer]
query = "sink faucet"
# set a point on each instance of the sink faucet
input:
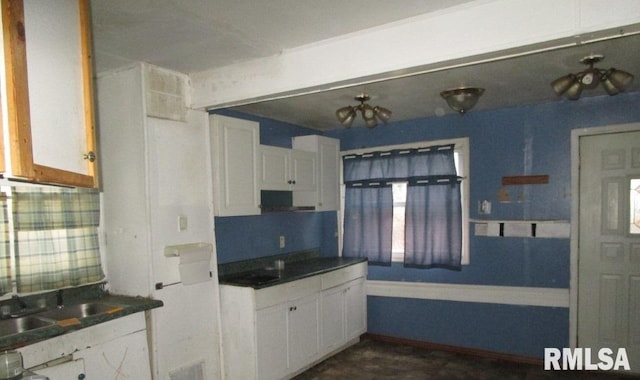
(20, 302)
(59, 301)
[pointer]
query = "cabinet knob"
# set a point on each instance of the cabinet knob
(81, 376)
(91, 156)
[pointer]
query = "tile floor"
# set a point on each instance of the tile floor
(373, 359)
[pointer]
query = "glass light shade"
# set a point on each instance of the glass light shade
(462, 99)
(346, 115)
(562, 84)
(574, 92)
(370, 123)
(610, 87)
(382, 113)
(620, 79)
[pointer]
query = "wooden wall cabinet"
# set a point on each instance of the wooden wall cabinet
(48, 128)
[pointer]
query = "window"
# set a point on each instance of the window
(399, 191)
(49, 238)
(399, 203)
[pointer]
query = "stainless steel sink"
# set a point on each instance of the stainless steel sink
(18, 325)
(81, 310)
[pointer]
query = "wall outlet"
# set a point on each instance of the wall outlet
(282, 242)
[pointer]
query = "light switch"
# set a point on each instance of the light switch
(182, 223)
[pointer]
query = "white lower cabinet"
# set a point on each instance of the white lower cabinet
(110, 350)
(70, 370)
(271, 330)
(303, 330)
(343, 314)
(279, 331)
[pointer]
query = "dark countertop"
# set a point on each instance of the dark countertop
(270, 276)
(126, 305)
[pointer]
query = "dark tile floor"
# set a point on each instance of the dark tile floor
(372, 359)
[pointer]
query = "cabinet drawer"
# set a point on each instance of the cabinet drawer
(343, 275)
(287, 292)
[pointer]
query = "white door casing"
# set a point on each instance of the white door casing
(608, 256)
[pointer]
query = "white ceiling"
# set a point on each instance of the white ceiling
(196, 35)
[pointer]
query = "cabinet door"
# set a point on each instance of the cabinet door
(303, 171)
(126, 357)
(333, 319)
(275, 168)
(356, 308)
(70, 370)
(271, 331)
(303, 331)
(329, 164)
(234, 151)
(50, 118)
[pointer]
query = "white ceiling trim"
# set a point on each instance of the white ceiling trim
(484, 29)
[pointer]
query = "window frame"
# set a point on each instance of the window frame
(461, 149)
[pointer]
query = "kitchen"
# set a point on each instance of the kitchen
(157, 188)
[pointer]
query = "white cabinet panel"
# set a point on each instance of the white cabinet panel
(278, 331)
(356, 309)
(234, 155)
(70, 370)
(275, 168)
(286, 169)
(303, 330)
(333, 319)
(271, 332)
(327, 150)
(126, 357)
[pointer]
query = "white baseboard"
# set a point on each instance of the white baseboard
(508, 295)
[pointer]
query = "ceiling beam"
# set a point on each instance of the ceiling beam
(470, 33)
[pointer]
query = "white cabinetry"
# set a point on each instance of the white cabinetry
(113, 349)
(46, 93)
(344, 315)
(287, 169)
(277, 332)
(327, 151)
(234, 157)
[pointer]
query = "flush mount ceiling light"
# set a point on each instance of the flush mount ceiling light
(462, 99)
(614, 81)
(347, 114)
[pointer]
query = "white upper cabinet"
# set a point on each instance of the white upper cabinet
(327, 151)
(47, 98)
(286, 169)
(234, 162)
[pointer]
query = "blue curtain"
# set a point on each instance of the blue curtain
(433, 220)
(368, 222)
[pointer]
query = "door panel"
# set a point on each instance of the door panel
(609, 250)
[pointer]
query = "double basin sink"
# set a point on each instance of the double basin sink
(69, 314)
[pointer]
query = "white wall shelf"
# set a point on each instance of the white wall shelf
(522, 228)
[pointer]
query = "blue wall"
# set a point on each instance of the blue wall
(503, 142)
(250, 237)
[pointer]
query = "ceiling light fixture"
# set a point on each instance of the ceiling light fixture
(462, 99)
(614, 81)
(347, 114)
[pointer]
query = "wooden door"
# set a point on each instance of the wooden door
(609, 244)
